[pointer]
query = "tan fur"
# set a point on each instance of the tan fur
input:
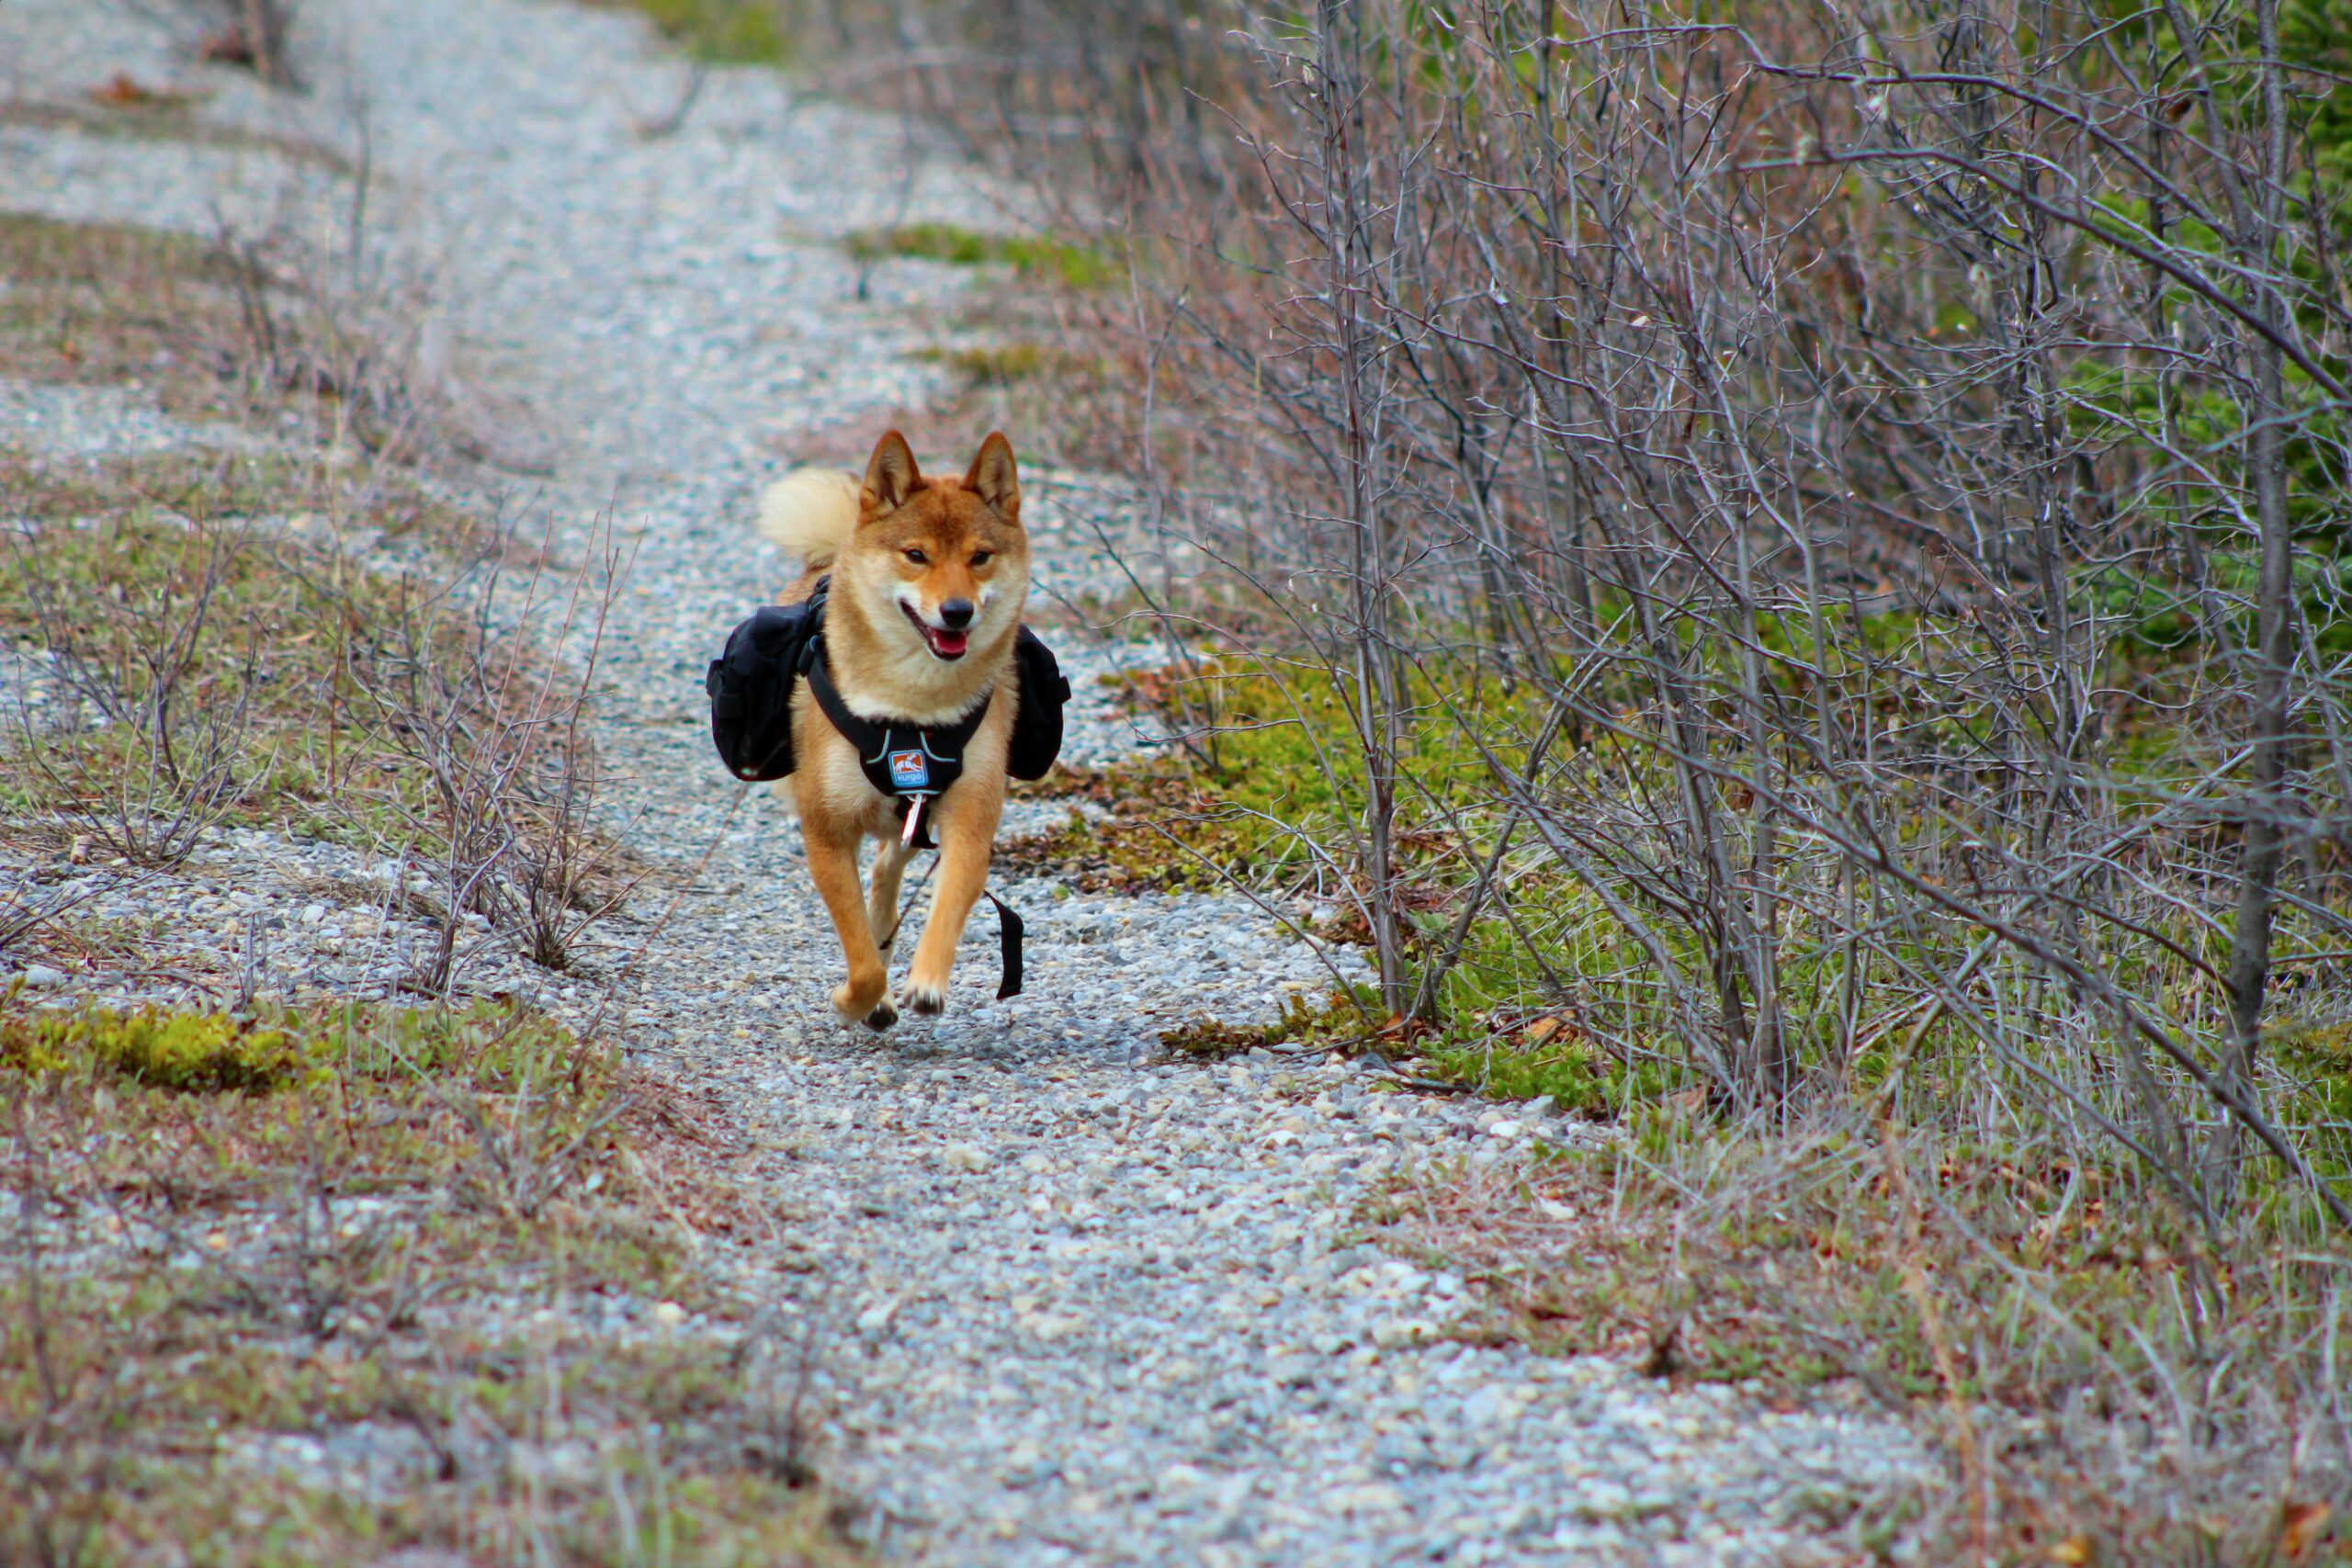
(809, 514)
(883, 667)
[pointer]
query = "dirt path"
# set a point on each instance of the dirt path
(1078, 1302)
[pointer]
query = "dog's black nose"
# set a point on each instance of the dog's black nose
(956, 613)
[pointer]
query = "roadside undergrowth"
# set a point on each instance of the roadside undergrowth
(316, 1261)
(2017, 1305)
(230, 327)
(236, 1245)
(213, 652)
(2020, 1303)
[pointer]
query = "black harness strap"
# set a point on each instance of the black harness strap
(912, 763)
(907, 761)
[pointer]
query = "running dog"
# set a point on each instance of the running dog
(924, 580)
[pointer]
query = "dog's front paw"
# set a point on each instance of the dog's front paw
(925, 998)
(875, 1012)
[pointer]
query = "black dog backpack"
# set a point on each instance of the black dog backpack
(750, 683)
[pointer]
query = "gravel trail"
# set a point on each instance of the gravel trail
(1082, 1303)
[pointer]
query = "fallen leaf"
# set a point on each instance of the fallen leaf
(2300, 1528)
(1543, 1028)
(124, 93)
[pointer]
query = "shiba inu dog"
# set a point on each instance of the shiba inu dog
(928, 580)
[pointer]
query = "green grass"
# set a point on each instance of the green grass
(723, 32)
(1057, 261)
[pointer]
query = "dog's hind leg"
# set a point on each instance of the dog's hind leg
(966, 831)
(866, 995)
(882, 902)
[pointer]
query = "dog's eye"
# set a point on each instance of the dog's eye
(981, 558)
(916, 556)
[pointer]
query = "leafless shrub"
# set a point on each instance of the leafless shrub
(1579, 383)
(154, 695)
(301, 343)
(468, 682)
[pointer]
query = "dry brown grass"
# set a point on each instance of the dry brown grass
(229, 328)
(123, 107)
(2027, 1314)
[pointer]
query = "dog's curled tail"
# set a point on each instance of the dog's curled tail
(811, 513)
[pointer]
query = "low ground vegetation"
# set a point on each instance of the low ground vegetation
(232, 326)
(213, 652)
(304, 1285)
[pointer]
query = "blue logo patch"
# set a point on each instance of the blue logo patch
(909, 771)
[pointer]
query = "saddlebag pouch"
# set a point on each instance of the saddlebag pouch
(1038, 727)
(750, 692)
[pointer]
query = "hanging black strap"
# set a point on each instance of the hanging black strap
(1007, 941)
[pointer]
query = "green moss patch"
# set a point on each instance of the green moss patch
(1058, 261)
(724, 32)
(186, 1052)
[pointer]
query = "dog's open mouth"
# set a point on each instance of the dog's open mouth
(943, 644)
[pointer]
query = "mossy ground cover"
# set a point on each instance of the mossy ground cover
(1542, 991)
(238, 1231)
(720, 32)
(1032, 257)
(1267, 799)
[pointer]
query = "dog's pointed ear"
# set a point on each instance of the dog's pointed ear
(992, 478)
(890, 475)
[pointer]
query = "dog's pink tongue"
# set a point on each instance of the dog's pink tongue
(950, 642)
